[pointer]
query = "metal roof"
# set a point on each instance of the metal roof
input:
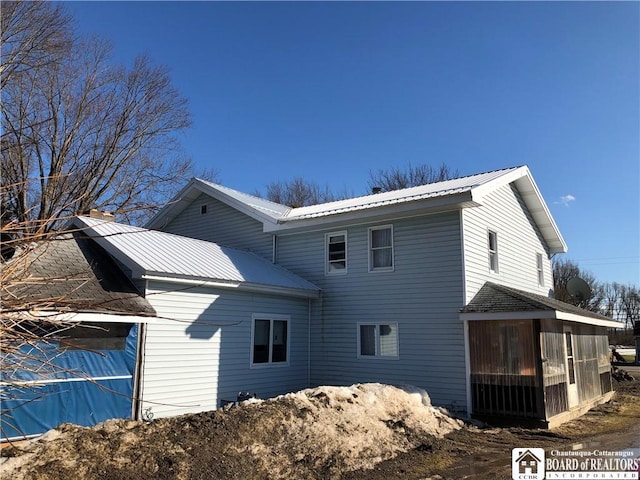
(456, 193)
(159, 255)
(422, 192)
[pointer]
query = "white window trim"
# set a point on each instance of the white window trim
(271, 317)
(377, 356)
(370, 257)
(496, 252)
(327, 270)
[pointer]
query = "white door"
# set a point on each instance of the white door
(572, 386)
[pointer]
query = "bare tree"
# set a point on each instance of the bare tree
(395, 178)
(565, 270)
(298, 193)
(79, 131)
(34, 35)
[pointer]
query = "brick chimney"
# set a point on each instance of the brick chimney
(106, 216)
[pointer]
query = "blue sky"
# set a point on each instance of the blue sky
(331, 90)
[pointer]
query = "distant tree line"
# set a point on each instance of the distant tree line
(299, 192)
(616, 300)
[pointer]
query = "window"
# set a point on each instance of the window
(540, 269)
(203, 209)
(378, 340)
(493, 251)
(270, 339)
(381, 248)
(336, 253)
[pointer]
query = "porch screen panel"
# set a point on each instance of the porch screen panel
(554, 376)
(503, 368)
(604, 364)
(592, 363)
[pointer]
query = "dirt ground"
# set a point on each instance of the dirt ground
(359, 432)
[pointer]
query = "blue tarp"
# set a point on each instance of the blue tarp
(78, 387)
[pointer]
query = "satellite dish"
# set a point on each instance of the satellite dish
(578, 288)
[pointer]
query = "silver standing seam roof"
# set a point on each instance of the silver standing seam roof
(159, 255)
(456, 193)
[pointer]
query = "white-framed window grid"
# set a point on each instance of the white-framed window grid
(270, 340)
(492, 241)
(381, 250)
(336, 253)
(378, 340)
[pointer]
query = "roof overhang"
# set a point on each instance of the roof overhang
(90, 317)
(523, 180)
(240, 286)
(375, 213)
(540, 314)
(193, 190)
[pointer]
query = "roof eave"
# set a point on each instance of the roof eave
(532, 197)
(236, 285)
(539, 314)
(377, 213)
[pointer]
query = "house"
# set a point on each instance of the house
(444, 286)
(87, 374)
(228, 321)
(408, 283)
(165, 326)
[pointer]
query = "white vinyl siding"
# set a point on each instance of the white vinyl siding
(223, 225)
(199, 353)
(503, 211)
(336, 253)
(423, 297)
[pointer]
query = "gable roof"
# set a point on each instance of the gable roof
(496, 302)
(446, 195)
(154, 255)
(70, 273)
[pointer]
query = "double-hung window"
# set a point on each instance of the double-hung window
(378, 340)
(336, 253)
(493, 251)
(381, 248)
(540, 269)
(269, 339)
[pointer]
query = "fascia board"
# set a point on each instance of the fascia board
(93, 317)
(535, 314)
(237, 204)
(533, 199)
(137, 271)
(374, 214)
(175, 206)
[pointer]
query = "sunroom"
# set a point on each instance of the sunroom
(534, 360)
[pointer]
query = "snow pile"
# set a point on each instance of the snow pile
(356, 427)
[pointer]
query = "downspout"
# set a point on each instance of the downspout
(467, 353)
(274, 249)
(309, 345)
(136, 404)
